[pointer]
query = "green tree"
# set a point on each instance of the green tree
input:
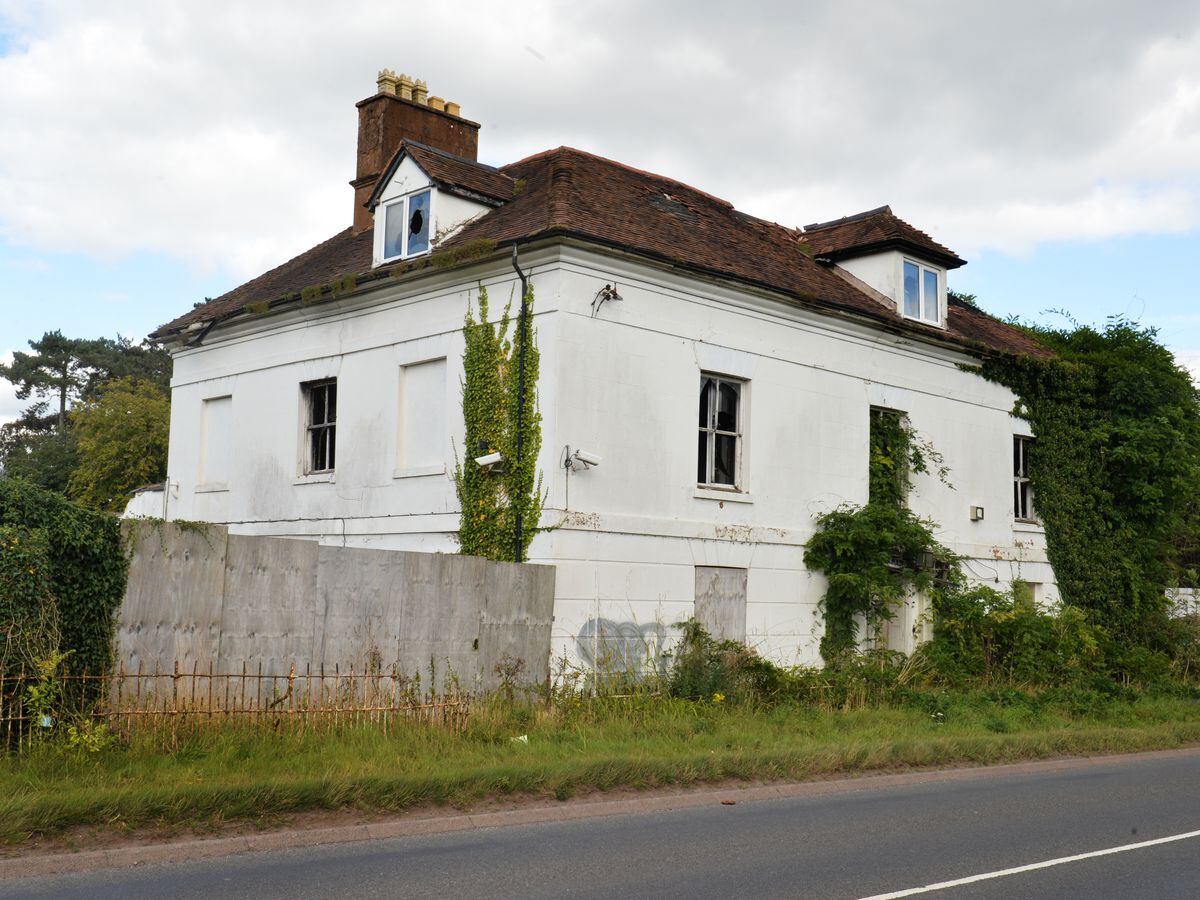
(57, 370)
(122, 434)
(32, 449)
(108, 359)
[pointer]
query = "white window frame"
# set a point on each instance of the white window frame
(307, 428)
(922, 300)
(711, 431)
(381, 212)
(1022, 487)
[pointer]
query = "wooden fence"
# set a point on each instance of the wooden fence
(175, 702)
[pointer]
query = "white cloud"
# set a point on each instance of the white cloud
(10, 406)
(223, 133)
(1190, 360)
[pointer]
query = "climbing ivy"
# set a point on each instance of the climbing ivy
(492, 501)
(86, 567)
(1115, 467)
(876, 555)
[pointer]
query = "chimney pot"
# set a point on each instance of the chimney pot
(404, 87)
(387, 81)
(453, 108)
(383, 125)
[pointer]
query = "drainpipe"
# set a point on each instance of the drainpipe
(522, 339)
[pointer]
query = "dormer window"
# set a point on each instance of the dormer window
(922, 293)
(406, 224)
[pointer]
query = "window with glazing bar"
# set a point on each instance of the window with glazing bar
(922, 293)
(320, 401)
(1022, 489)
(720, 447)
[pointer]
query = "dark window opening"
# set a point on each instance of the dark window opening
(321, 428)
(720, 434)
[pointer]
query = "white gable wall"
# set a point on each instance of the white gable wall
(623, 384)
(407, 178)
(449, 211)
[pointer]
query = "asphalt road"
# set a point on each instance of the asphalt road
(854, 844)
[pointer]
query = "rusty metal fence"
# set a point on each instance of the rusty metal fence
(185, 699)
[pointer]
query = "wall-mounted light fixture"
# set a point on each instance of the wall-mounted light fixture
(976, 513)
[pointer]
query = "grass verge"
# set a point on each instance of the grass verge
(640, 742)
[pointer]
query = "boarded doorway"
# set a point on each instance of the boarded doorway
(721, 602)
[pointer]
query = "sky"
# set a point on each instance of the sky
(157, 153)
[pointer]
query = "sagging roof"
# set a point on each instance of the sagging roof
(875, 230)
(571, 193)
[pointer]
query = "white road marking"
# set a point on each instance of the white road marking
(1017, 870)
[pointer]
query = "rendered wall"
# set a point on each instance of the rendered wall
(206, 597)
(621, 381)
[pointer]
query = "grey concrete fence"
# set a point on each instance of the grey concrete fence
(202, 599)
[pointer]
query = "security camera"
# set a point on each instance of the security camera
(586, 458)
(489, 462)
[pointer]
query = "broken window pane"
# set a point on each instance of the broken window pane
(418, 223)
(726, 459)
(727, 411)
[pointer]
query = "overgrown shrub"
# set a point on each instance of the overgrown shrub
(83, 554)
(875, 556)
(1114, 469)
(26, 600)
(704, 668)
(984, 635)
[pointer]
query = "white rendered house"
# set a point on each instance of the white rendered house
(722, 368)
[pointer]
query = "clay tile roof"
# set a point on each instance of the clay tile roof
(474, 179)
(872, 231)
(567, 192)
(342, 253)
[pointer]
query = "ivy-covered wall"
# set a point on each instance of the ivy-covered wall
(1115, 468)
(496, 418)
(874, 556)
(85, 568)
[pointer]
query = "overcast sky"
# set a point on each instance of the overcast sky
(155, 153)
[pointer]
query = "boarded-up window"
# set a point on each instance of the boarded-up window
(423, 437)
(721, 602)
(216, 437)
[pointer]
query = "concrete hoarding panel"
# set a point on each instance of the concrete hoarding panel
(173, 599)
(510, 632)
(271, 603)
(206, 597)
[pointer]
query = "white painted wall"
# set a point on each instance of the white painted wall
(623, 384)
(885, 273)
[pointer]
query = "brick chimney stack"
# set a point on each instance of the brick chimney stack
(403, 110)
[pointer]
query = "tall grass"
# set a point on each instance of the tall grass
(594, 744)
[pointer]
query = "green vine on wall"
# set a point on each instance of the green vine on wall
(77, 555)
(1115, 467)
(492, 501)
(874, 556)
